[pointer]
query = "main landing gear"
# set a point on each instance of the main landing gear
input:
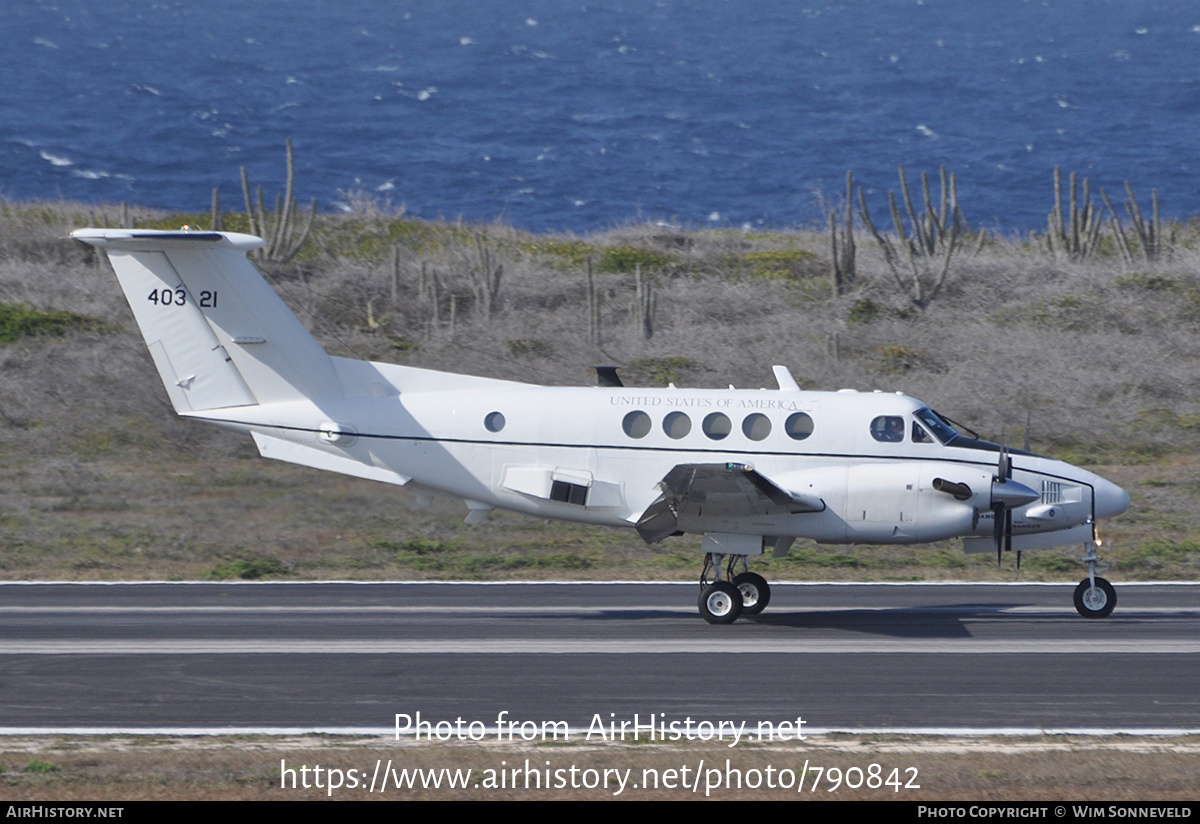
(1094, 597)
(727, 596)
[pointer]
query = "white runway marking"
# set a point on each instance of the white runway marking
(585, 646)
(813, 733)
(583, 611)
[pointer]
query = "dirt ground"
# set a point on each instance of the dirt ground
(833, 767)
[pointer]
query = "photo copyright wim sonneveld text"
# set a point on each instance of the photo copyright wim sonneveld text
(1139, 811)
(602, 727)
(702, 776)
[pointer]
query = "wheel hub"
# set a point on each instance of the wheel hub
(1094, 598)
(749, 595)
(719, 604)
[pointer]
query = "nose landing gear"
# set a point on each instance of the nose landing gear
(1094, 597)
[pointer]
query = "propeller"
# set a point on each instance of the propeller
(1001, 514)
(1006, 495)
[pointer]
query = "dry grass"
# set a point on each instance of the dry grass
(1053, 768)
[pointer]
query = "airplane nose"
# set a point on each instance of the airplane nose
(1111, 500)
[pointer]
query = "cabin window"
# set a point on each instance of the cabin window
(493, 421)
(636, 424)
(717, 426)
(677, 425)
(798, 426)
(756, 427)
(888, 428)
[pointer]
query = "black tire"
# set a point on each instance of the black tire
(720, 603)
(1095, 603)
(756, 593)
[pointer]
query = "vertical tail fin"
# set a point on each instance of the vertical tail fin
(219, 334)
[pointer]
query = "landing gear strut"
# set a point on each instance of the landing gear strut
(727, 596)
(1094, 597)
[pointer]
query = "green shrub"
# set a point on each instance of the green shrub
(780, 264)
(18, 320)
(531, 347)
(864, 311)
(772, 264)
(627, 259)
(1068, 313)
(249, 569)
(569, 252)
(661, 370)
(1147, 282)
(424, 546)
(896, 359)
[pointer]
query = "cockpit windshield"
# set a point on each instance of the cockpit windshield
(938, 425)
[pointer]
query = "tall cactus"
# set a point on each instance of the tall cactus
(646, 303)
(1149, 233)
(279, 228)
(485, 273)
(919, 255)
(1074, 233)
(843, 248)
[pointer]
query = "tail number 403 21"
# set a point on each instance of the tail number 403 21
(178, 297)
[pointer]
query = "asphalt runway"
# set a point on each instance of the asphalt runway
(344, 655)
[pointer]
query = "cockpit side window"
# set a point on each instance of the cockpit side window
(888, 429)
(941, 430)
(919, 435)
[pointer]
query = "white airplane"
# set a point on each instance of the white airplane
(745, 469)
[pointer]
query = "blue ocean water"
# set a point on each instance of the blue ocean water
(582, 115)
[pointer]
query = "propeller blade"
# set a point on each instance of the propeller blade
(1006, 494)
(1004, 467)
(998, 511)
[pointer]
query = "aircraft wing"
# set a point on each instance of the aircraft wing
(726, 490)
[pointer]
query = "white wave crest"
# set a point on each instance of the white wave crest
(56, 160)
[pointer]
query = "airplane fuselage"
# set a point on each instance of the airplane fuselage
(578, 454)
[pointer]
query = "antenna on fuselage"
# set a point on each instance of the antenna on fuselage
(783, 376)
(607, 376)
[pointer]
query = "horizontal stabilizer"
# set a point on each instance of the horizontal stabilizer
(323, 458)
